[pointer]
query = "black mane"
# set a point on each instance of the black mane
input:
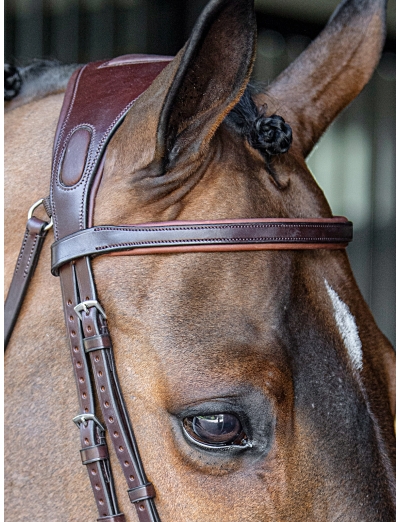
(270, 135)
(35, 80)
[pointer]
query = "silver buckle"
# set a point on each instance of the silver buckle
(84, 417)
(33, 208)
(83, 307)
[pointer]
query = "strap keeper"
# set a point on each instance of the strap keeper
(141, 493)
(97, 342)
(94, 454)
(113, 518)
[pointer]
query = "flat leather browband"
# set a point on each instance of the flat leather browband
(252, 234)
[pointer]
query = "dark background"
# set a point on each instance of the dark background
(354, 162)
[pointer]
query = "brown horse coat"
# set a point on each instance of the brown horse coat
(259, 334)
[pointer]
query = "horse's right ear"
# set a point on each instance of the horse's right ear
(214, 69)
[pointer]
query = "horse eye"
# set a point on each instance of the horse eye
(223, 429)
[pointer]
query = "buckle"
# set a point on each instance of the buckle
(33, 208)
(84, 417)
(83, 307)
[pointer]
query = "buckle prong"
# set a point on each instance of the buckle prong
(83, 307)
(84, 417)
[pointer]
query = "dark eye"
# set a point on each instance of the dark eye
(223, 429)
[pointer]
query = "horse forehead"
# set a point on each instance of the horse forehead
(194, 311)
(202, 288)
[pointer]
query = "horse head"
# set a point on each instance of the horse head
(258, 384)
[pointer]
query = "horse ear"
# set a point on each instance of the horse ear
(332, 71)
(214, 70)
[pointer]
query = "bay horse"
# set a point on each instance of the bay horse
(278, 344)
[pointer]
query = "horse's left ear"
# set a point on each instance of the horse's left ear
(214, 69)
(331, 72)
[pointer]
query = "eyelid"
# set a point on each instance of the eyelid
(229, 404)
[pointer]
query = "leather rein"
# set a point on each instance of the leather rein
(97, 98)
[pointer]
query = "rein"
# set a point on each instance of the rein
(97, 98)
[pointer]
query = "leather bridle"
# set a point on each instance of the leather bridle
(98, 97)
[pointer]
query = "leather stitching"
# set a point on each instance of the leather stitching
(61, 157)
(218, 227)
(27, 265)
(55, 170)
(220, 240)
(21, 253)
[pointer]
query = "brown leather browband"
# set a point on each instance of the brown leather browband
(240, 234)
(97, 98)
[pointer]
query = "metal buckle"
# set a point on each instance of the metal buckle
(83, 307)
(32, 209)
(84, 417)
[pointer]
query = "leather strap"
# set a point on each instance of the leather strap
(141, 493)
(100, 364)
(96, 101)
(94, 453)
(246, 234)
(97, 342)
(92, 433)
(32, 243)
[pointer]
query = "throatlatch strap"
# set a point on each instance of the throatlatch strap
(32, 243)
(97, 99)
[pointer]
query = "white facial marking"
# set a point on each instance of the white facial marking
(347, 328)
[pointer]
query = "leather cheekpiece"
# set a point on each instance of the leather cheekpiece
(32, 243)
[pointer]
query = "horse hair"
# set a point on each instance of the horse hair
(35, 80)
(270, 135)
(12, 82)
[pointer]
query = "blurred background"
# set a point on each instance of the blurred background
(355, 160)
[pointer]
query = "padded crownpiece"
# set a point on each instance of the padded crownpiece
(97, 99)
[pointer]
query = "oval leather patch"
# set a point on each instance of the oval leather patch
(75, 156)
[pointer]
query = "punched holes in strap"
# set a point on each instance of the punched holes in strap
(94, 454)
(141, 493)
